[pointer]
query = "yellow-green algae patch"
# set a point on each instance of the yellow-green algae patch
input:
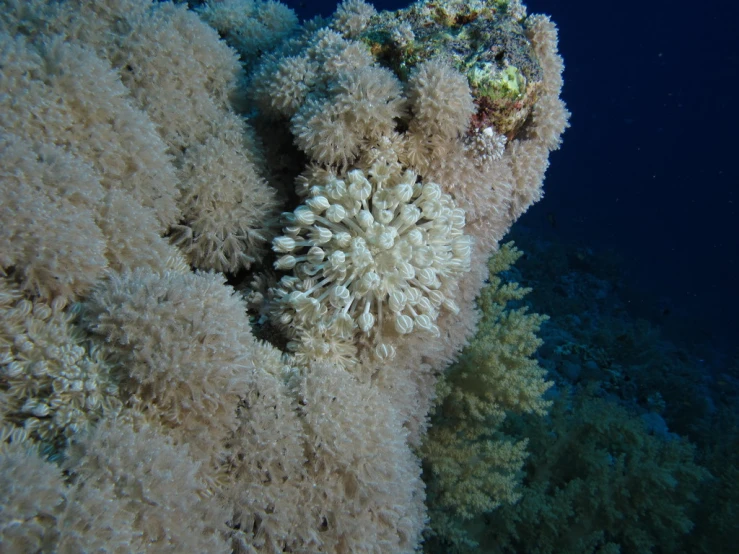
(484, 40)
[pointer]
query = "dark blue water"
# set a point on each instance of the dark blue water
(648, 167)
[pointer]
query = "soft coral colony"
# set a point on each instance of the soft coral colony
(175, 181)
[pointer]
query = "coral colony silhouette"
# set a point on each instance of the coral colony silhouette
(245, 260)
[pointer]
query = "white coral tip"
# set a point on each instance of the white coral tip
(283, 244)
(385, 351)
(318, 204)
(285, 263)
(403, 324)
(366, 321)
(336, 213)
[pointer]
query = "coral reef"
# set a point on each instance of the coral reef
(483, 41)
(473, 467)
(388, 244)
(599, 481)
(56, 383)
(143, 169)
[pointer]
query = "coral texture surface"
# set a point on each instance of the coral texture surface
(237, 253)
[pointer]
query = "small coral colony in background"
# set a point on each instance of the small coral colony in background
(237, 254)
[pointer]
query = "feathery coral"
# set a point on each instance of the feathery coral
(54, 384)
(138, 464)
(138, 152)
(40, 513)
(250, 26)
(440, 99)
(86, 104)
(352, 16)
(164, 330)
(473, 467)
(363, 104)
(599, 481)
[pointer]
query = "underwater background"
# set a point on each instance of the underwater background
(594, 408)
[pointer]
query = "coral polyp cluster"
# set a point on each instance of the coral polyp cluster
(147, 152)
(375, 255)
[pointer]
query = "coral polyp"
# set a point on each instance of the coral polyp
(373, 255)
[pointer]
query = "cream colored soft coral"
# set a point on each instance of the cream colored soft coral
(363, 105)
(440, 99)
(53, 383)
(374, 255)
(352, 17)
(250, 27)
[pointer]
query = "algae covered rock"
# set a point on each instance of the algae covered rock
(486, 40)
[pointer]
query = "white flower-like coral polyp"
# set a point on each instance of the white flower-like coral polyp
(373, 256)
